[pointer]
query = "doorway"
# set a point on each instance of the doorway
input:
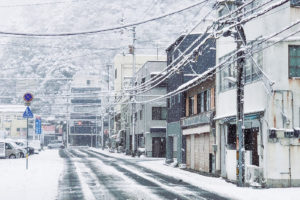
(158, 147)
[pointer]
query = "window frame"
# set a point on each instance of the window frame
(295, 4)
(289, 61)
(160, 115)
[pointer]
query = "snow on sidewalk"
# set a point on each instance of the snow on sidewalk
(40, 181)
(216, 185)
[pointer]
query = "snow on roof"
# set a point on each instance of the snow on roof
(12, 108)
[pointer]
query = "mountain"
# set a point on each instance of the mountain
(50, 59)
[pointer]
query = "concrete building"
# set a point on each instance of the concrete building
(85, 103)
(198, 126)
(123, 78)
(150, 126)
(12, 123)
(176, 142)
(271, 114)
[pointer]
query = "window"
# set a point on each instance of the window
(231, 137)
(294, 61)
(168, 103)
(116, 73)
(18, 129)
(179, 96)
(251, 72)
(295, 3)
(191, 106)
(228, 71)
(88, 82)
(159, 113)
(203, 101)
(158, 79)
(141, 114)
(143, 80)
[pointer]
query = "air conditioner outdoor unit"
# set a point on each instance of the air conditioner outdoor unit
(253, 175)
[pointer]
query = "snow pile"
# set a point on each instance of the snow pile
(40, 181)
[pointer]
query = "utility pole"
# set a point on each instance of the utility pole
(240, 40)
(133, 85)
(102, 131)
(108, 85)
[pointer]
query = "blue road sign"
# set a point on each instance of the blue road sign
(28, 97)
(38, 125)
(27, 113)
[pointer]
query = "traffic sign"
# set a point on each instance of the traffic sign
(28, 97)
(27, 113)
(38, 125)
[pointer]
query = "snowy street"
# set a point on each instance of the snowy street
(89, 173)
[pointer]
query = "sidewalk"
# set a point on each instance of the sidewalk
(216, 185)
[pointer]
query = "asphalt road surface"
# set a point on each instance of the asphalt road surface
(92, 175)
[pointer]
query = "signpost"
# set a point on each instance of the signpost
(38, 125)
(28, 97)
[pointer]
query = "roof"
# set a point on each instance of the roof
(12, 108)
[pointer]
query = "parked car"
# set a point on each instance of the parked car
(13, 151)
(16, 146)
(55, 144)
(24, 145)
(36, 144)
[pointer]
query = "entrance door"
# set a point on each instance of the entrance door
(158, 147)
(251, 144)
(255, 157)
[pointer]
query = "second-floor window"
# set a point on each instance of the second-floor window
(251, 73)
(294, 61)
(295, 3)
(191, 105)
(203, 101)
(159, 113)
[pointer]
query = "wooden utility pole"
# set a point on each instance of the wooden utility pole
(240, 40)
(133, 96)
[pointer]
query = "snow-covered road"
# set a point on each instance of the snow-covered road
(89, 174)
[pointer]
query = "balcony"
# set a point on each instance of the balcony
(201, 118)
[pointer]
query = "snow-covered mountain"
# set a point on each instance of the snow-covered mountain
(49, 59)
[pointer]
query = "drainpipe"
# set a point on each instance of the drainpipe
(292, 100)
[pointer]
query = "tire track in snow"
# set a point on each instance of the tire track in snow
(106, 182)
(153, 185)
(168, 180)
(69, 187)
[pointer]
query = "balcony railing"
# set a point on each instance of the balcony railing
(201, 118)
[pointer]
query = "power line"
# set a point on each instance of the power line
(39, 4)
(101, 30)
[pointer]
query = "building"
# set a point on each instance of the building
(271, 111)
(12, 123)
(198, 125)
(85, 103)
(176, 104)
(150, 118)
(123, 79)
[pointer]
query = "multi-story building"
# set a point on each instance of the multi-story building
(123, 79)
(198, 125)
(84, 111)
(151, 117)
(176, 104)
(12, 123)
(271, 99)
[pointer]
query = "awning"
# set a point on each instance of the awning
(196, 130)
